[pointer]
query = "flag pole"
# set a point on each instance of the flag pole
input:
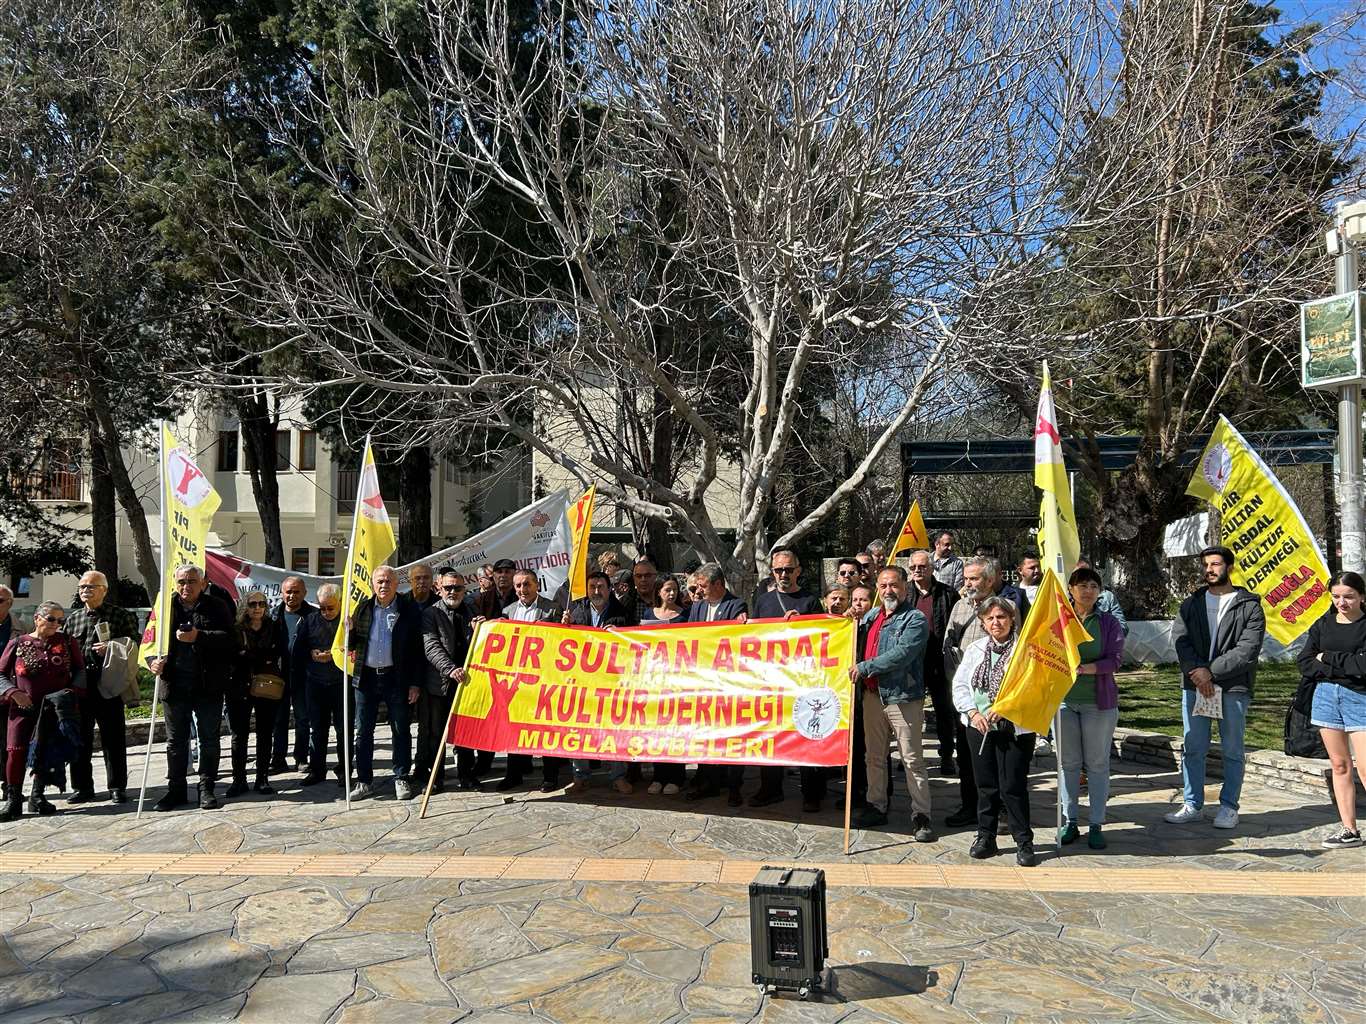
(854, 709)
(160, 626)
(446, 732)
(1057, 736)
(345, 624)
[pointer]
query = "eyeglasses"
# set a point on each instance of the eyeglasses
(783, 570)
(89, 586)
(56, 620)
(256, 604)
(452, 589)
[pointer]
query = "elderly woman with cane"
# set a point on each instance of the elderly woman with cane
(1000, 752)
(33, 667)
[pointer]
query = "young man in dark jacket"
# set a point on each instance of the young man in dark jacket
(193, 676)
(1218, 636)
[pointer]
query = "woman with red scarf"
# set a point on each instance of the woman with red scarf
(34, 666)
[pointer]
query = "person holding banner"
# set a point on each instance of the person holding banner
(668, 601)
(1334, 660)
(1090, 711)
(1000, 753)
(446, 636)
(312, 663)
(713, 602)
(193, 677)
(891, 673)
(386, 636)
(530, 606)
(1218, 636)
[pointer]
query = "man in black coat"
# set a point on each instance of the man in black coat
(600, 608)
(288, 615)
(490, 603)
(935, 600)
(386, 636)
(193, 676)
(445, 643)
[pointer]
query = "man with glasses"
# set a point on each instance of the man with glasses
(848, 572)
(289, 614)
(420, 589)
(193, 677)
(93, 625)
(445, 643)
(935, 601)
(312, 663)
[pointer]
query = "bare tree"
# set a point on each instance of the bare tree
(810, 180)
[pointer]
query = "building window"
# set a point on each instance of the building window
(308, 450)
(327, 561)
(281, 450)
(227, 451)
(298, 559)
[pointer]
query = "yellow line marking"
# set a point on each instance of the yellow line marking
(1079, 878)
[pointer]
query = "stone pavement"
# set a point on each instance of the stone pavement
(552, 909)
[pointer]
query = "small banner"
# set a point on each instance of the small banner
(1044, 665)
(758, 693)
(580, 528)
(1275, 555)
(372, 541)
(912, 536)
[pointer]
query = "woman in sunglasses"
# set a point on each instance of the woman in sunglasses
(256, 675)
(33, 667)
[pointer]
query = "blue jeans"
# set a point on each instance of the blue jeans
(392, 691)
(615, 769)
(1196, 746)
(1087, 736)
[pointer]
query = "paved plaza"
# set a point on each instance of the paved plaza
(633, 909)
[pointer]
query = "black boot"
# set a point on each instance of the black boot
(14, 805)
(37, 804)
(239, 785)
(207, 801)
(174, 797)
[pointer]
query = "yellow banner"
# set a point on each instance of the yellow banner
(913, 536)
(188, 502)
(1059, 545)
(1275, 555)
(580, 527)
(372, 541)
(1044, 665)
(772, 692)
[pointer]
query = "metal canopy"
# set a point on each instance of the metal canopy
(1117, 452)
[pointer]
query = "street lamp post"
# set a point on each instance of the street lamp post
(1350, 229)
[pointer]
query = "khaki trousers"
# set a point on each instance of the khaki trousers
(906, 722)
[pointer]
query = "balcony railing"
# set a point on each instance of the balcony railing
(50, 483)
(347, 482)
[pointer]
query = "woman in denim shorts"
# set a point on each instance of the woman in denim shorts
(1334, 654)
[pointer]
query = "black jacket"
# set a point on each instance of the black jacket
(775, 605)
(490, 603)
(615, 614)
(445, 643)
(407, 648)
(216, 647)
(1016, 596)
(729, 609)
(942, 599)
(315, 633)
(277, 618)
(1237, 647)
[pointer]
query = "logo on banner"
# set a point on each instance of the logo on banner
(816, 712)
(539, 519)
(188, 483)
(1216, 467)
(371, 501)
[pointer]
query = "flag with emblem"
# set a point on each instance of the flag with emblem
(912, 536)
(372, 541)
(580, 527)
(1059, 546)
(1043, 665)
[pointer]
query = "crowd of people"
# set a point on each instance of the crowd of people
(934, 637)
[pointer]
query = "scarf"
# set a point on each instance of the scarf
(987, 679)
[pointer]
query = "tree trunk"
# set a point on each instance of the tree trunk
(657, 543)
(415, 505)
(1139, 504)
(104, 534)
(127, 494)
(259, 425)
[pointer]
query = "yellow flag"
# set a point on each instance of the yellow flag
(1059, 546)
(1275, 555)
(913, 536)
(372, 541)
(1044, 664)
(580, 527)
(188, 502)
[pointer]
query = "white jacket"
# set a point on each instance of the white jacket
(963, 701)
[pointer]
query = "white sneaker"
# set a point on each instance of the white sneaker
(1186, 814)
(655, 788)
(403, 789)
(1226, 818)
(672, 789)
(361, 790)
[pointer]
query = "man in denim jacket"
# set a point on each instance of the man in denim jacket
(893, 698)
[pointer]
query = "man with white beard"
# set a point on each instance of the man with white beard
(893, 698)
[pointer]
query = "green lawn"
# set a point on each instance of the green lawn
(1150, 700)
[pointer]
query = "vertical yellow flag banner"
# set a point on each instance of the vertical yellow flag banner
(913, 536)
(1275, 555)
(1059, 545)
(580, 528)
(372, 541)
(1044, 664)
(188, 502)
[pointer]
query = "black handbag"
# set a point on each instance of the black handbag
(1302, 738)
